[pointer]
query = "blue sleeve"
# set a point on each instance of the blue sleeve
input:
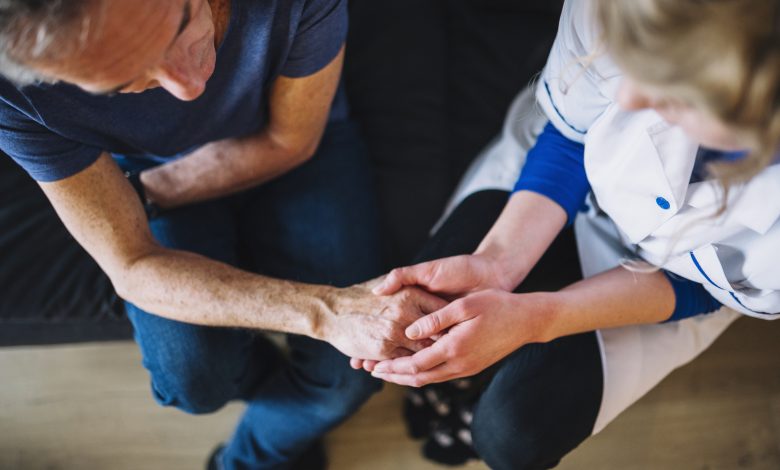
(691, 298)
(45, 155)
(321, 32)
(555, 168)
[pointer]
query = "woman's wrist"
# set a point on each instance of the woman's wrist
(546, 308)
(506, 272)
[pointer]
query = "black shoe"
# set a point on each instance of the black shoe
(313, 459)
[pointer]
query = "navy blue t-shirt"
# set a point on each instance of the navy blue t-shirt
(55, 131)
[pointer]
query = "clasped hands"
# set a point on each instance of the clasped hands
(472, 322)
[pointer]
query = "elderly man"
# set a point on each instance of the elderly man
(220, 115)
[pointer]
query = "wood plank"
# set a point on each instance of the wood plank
(89, 407)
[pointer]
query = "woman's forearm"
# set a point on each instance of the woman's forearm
(617, 297)
(527, 226)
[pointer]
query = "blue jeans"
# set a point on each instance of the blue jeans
(316, 224)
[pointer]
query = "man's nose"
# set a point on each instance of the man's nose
(179, 81)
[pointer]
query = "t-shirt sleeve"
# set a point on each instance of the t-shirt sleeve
(555, 168)
(321, 33)
(691, 298)
(45, 155)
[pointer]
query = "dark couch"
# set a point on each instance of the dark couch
(429, 82)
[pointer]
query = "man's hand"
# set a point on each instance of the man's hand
(453, 277)
(361, 324)
(450, 277)
(479, 330)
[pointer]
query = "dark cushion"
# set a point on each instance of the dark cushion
(430, 82)
(51, 291)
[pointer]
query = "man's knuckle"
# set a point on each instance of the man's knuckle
(385, 329)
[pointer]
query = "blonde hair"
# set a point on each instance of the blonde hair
(720, 56)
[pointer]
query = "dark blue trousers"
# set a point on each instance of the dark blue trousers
(316, 224)
(541, 401)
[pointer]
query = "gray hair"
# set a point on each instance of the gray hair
(34, 29)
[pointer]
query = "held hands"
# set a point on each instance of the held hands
(476, 332)
(449, 277)
(484, 324)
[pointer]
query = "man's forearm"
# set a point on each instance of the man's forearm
(617, 297)
(190, 288)
(193, 289)
(523, 232)
(222, 168)
(298, 113)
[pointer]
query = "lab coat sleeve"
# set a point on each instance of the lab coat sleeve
(760, 304)
(690, 298)
(579, 80)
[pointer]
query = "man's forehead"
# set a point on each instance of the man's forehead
(124, 36)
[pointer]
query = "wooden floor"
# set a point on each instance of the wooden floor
(88, 407)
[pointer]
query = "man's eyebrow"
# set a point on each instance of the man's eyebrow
(185, 21)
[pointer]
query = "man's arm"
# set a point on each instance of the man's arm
(299, 109)
(101, 210)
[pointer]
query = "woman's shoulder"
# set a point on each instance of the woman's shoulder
(580, 80)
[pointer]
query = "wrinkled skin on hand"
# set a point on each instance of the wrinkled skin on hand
(373, 327)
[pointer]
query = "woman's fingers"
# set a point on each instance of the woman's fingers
(419, 274)
(421, 361)
(435, 323)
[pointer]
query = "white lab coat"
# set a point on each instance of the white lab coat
(642, 207)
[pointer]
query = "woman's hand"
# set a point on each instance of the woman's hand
(454, 276)
(525, 229)
(447, 277)
(522, 233)
(476, 332)
(485, 326)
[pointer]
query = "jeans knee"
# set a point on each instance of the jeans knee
(506, 440)
(345, 394)
(194, 391)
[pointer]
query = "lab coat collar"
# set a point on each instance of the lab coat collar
(634, 173)
(676, 155)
